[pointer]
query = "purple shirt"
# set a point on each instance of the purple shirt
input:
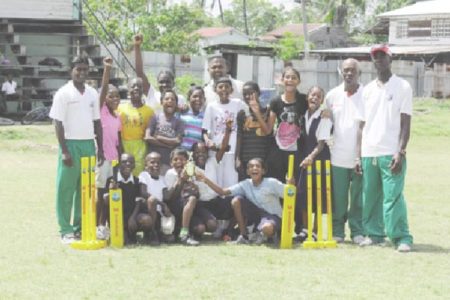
(111, 127)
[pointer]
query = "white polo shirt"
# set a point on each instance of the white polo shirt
(344, 110)
(381, 109)
(212, 97)
(76, 111)
(9, 87)
(154, 186)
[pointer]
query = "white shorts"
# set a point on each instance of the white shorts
(102, 174)
(223, 173)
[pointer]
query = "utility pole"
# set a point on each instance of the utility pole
(305, 27)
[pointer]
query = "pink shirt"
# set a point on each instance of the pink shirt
(111, 126)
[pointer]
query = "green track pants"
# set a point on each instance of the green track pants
(68, 185)
(347, 185)
(384, 207)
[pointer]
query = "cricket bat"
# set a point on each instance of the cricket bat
(287, 221)
(116, 214)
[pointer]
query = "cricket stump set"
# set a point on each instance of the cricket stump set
(88, 211)
(287, 226)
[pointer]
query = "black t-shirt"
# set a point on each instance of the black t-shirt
(130, 191)
(289, 119)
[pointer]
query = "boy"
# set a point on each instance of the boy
(76, 113)
(135, 215)
(214, 127)
(165, 130)
(261, 204)
(181, 195)
(152, 185)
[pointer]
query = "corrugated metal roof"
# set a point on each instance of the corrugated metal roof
(295, 29)
(433, 7)
(396, 50)
(206, 32)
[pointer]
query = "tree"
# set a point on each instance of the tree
(166, 28)
(289, 46)
(262, 16)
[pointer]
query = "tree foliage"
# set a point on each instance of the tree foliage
(289, 46)
(165, 28)
(262, 16)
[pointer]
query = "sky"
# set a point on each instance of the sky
(288, 4)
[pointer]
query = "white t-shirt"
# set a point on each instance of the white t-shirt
(324, 128)
(154, 186)
(9, 87)
(382, 106)
(206, 193)
(153, 100)
(214, 120)
(344, 110)
(212, 97)
(76, 111)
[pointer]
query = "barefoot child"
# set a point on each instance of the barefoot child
(165, 130)
(111, 127)
(261, 203)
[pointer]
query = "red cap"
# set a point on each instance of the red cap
(383, 48)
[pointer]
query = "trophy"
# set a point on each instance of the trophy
(190, 167)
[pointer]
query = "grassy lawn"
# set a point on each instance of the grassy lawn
(35, 265)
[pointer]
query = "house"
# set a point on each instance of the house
(321, 35)
(419, 38)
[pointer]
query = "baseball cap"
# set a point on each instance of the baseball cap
(383, 48)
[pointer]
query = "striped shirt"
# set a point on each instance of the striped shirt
(192, 129)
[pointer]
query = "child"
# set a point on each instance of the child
(111, 127)
(181, 195)
(317, 131)
(135, 215)
(135, 117)
(287, 109)
(214, 127)
(253, 134)
(165, 79)
(152, 185)
(193, 118)
(261, 204)
(165, 130)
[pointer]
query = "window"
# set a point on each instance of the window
(401, 29)
(420, 28)
(440, 28)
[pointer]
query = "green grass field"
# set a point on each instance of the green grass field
(35, 265)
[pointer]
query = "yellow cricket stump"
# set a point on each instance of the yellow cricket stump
(320, 243)
(88, 209)
(287, 220)
(116, 216)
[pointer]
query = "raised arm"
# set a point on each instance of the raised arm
(266, 127)
(107, 64)
(138, 39)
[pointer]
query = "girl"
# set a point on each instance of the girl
(253, 134)
(135, 117)
(165, 130)
(316, 132)
(193, 118)
(287, 110)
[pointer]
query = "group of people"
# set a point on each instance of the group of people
(216, 161)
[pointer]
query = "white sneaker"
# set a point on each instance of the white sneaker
(67, 238)
(338, 239)
(260, 239)
(404, 248)
(367, 241)
(103, 232)
(358, 239)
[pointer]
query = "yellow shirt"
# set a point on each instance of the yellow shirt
(134, 120)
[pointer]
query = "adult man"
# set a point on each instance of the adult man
(218, 68)
(343, 102)
(384, 133)
(76, 112)
(9, 88)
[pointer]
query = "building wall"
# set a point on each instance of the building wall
(420, 31)
(42, 9)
